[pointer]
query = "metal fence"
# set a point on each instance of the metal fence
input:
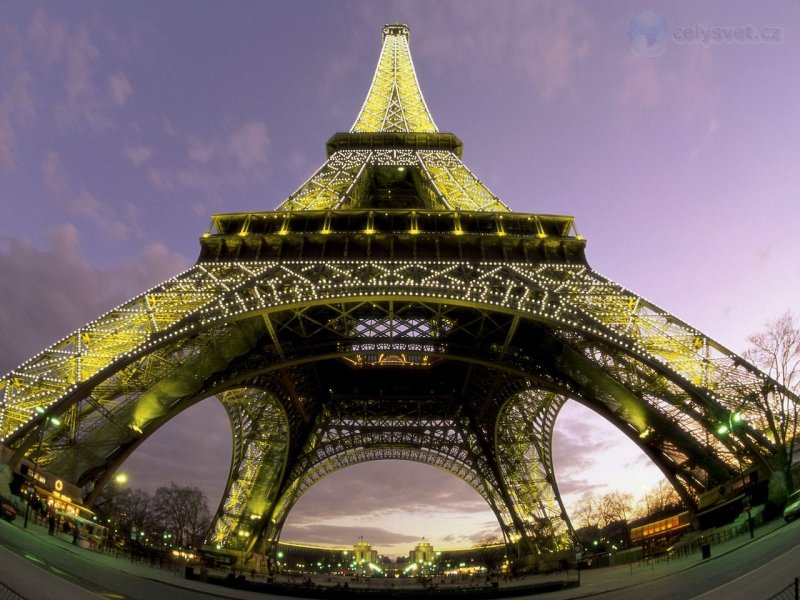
(6, 593)
(790, 592)
(710, 539)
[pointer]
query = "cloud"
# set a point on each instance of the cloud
(201, 151)
(79, 201)
(138, 155)
(415, 499)
(8, 140)
(48, 38)
(72, 53)
(17, 107)
(383, 490)
(55, 177)
(120, 89)
(83, 107)
(554, 44)
(592, 457)
(642, 84)
(319, 533)
(175, 453)
(51, 68)
(66, 291)
(545, 40)
(249, 144)
(678, 91)
(216, 163)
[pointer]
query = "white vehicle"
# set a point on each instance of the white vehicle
(792, 510)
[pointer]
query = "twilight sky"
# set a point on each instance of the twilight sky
(124, 126)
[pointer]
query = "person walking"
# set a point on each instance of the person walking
(51, 524)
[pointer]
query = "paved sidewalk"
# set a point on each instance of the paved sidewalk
(35, 535)
(596, 581)
(593, 581)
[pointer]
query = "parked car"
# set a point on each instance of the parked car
(8, 508)
(792, 510)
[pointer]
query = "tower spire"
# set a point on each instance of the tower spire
(394, 101)
(394, 156)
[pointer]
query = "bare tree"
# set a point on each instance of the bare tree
(601, 517)
(615, 506)
(125, 510)
(134, 508)
(182, 511)
(776, 351)
(601, 511)
(658, 501)
(491, 551)
(586, 513)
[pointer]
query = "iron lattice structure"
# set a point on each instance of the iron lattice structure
(391, 308)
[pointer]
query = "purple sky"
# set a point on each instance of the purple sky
(124, 126)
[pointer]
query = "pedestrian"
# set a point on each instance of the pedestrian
(51, 524)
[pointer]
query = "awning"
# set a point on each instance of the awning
(79, 519)
(49, 494)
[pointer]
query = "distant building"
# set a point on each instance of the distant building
(363, 554)
(423, 553)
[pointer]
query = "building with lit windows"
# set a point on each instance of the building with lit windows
(363, 554)
(422, 553)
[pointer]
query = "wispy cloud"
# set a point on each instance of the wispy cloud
(676, 89)
(416, 500)
(59, 67)
(375, 483)
(120, 89)
(213, 163)
(17, 106)
(321, 533)
(138, 155)
(67, 290)
(546, 41)
(83, 103)
(77, 201)
(176, 453)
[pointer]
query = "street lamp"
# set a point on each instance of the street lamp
(735, 420)
(45, 420)
(243, 535)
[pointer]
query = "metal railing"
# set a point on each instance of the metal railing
(790, 592)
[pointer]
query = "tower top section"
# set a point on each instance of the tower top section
(394, 102)
(393, 187)
(396, 29)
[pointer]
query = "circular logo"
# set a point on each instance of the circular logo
(59, 485)
(648, 34)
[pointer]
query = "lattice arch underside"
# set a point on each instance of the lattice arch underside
(210, 311)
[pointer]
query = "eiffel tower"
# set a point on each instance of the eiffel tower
(391, 308)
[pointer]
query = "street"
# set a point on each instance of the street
(40, 567)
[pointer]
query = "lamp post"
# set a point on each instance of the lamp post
(243, 535)
(45, 420)
(735, 420)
